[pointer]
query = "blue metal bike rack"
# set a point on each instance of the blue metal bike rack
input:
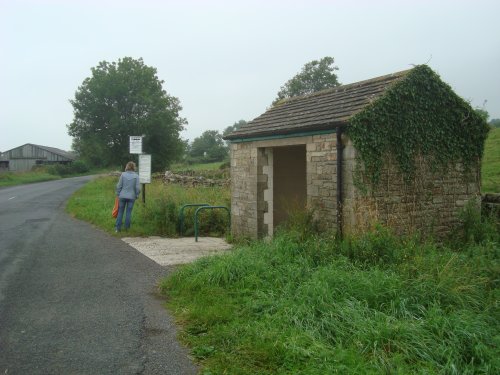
(181, 214)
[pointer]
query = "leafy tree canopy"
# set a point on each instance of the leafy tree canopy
(233, 127)
(315, 76)
(121, 99)
(208, 147)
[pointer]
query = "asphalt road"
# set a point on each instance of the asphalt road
(73, 299)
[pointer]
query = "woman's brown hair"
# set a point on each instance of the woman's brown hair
(130, 166)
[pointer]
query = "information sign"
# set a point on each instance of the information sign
(135, 144)
(145, 169)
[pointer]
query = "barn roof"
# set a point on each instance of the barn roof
(322, 110)
(57, 151)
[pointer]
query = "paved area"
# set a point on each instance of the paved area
(171, 251)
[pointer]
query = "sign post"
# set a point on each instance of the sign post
(144, 173)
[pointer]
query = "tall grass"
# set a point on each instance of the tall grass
(159, 216)
(375, 303)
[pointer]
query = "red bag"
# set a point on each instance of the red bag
(115, 208)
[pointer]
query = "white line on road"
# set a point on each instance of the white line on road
(11, 198)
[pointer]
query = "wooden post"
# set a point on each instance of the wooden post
(144, 193)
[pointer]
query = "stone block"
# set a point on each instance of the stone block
(268, 195)
(311, 147)
(313, 190)
(321, 154)
(325, 192)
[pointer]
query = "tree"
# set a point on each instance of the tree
(314, 76)
(123, 99)
(208, 147)
(232, 128)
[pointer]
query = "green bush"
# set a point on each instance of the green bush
(76, 167)
(79, 166)
(58, 169)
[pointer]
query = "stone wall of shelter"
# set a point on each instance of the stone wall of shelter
(244, 189)
(429, 204)
(252, 171)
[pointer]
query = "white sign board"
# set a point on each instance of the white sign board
(145, 169)
(135, 144)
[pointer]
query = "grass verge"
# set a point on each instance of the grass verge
(490, 171)
(19, 178)
(368, 305)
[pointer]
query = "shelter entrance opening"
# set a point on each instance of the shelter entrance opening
(282, 185)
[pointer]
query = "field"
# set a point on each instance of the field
(159, 216)
(490, 172)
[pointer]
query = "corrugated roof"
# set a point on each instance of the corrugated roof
(57, 151)
(318, 111)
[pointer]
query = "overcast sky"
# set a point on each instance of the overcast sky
(226, 60)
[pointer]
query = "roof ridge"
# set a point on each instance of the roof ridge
(323, 109)
(348, 85)
(54, 150)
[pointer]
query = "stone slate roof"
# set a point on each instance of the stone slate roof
(322, 110)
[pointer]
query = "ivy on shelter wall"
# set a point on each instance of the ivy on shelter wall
(418, 115)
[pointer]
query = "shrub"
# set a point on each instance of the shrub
(59, 169)
(76, 167)
(79, 166)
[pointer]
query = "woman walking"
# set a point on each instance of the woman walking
(127, 190)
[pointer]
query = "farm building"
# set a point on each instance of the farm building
(23, 158)
(402, 150)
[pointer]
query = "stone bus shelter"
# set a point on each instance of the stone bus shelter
(297, 155)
